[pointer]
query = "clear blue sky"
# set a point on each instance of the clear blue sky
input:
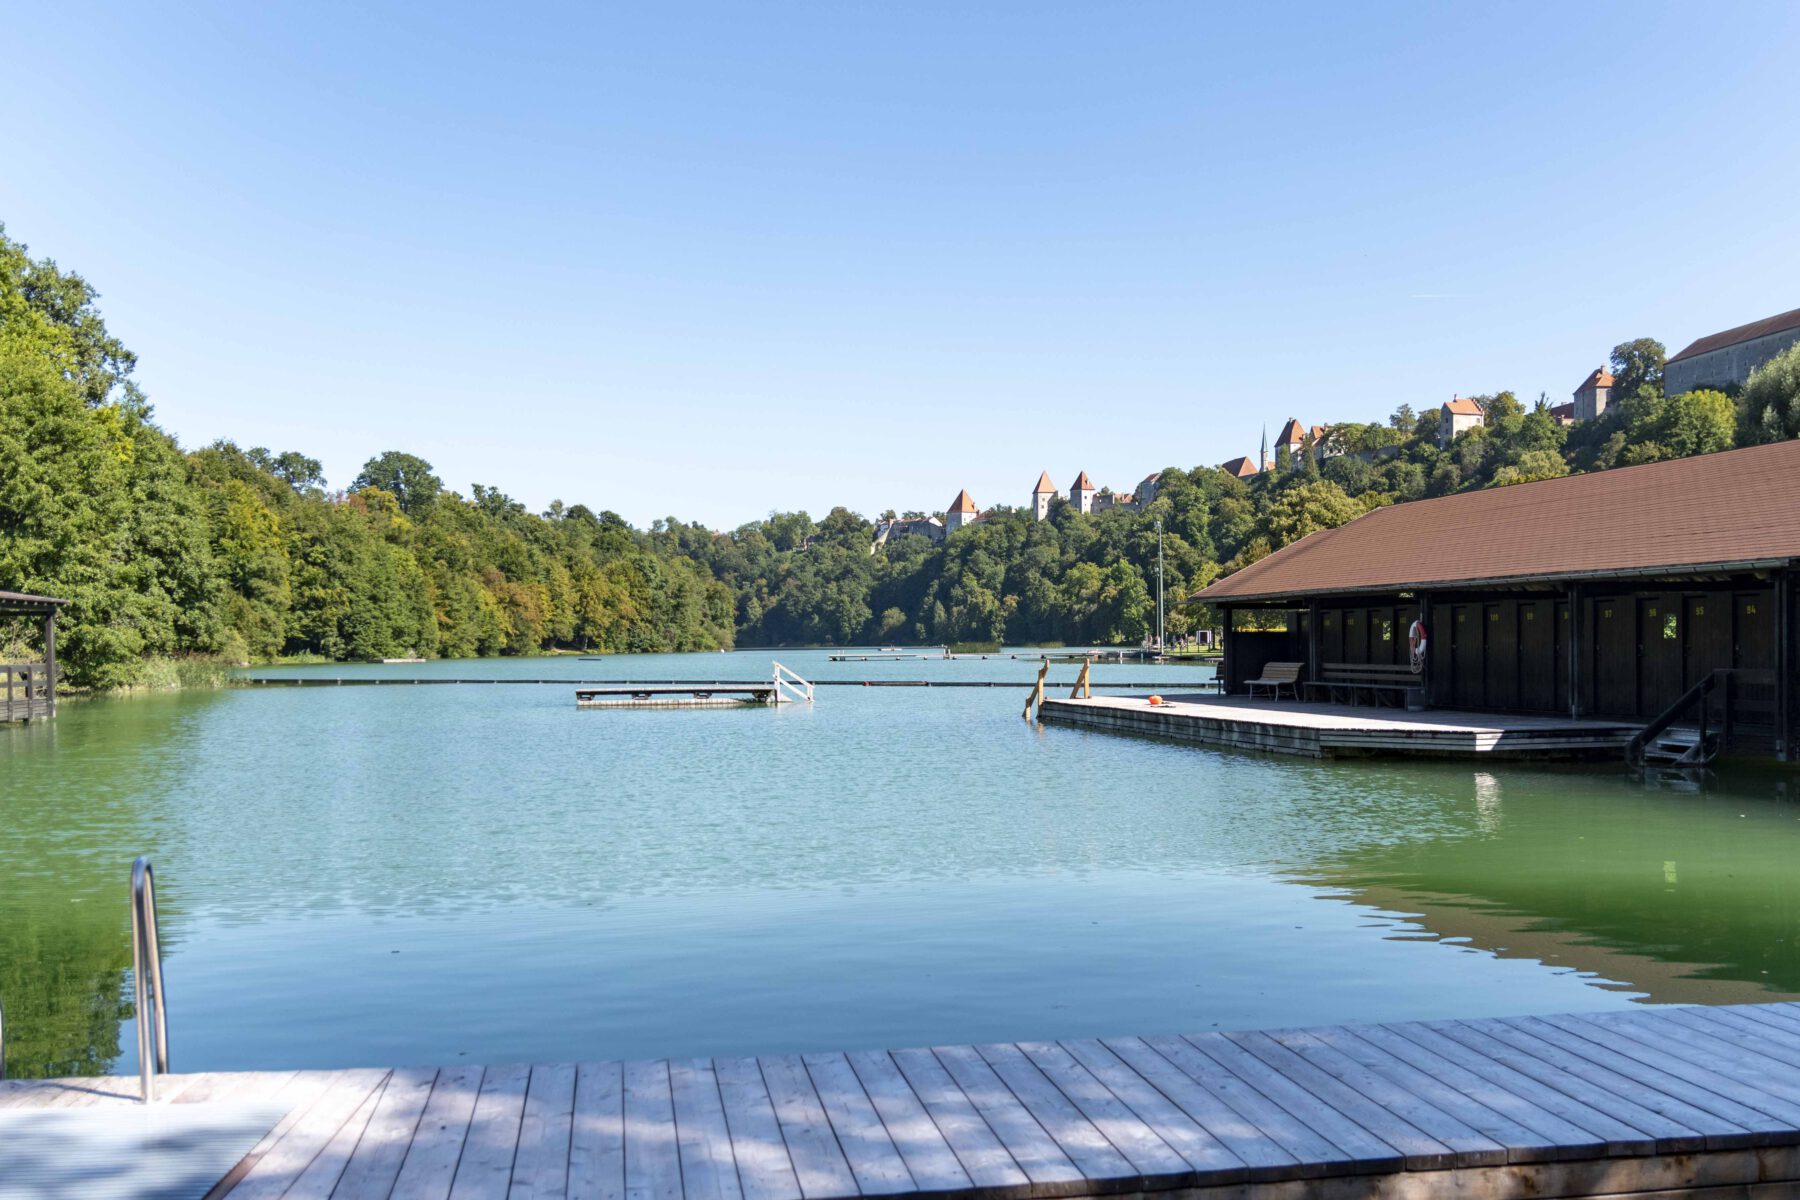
(713, 260)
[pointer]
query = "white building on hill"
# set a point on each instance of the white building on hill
(962, 511)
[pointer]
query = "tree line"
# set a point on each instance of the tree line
(241, 554)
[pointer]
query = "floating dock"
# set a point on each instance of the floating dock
(706, 696)
(783, 687)
(1653, 1102)
(1341, 730)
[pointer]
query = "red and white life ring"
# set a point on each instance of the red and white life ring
(1417, 641)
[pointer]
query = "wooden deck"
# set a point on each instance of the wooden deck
(1654, 1100)
(701, 696)
(1318, 730)
(26, 692)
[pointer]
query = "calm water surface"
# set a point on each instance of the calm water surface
(385, 876)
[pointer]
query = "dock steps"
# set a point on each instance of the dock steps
(1679, 746)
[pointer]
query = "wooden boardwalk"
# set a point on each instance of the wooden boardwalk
(1653, 1100)
(1317, 730)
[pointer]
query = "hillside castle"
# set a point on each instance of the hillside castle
(1083, 496)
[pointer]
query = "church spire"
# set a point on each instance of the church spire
(1262, 460)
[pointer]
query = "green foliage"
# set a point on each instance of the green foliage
(177, 562)
(405, 477)
(1637, 365)
(1769, 408)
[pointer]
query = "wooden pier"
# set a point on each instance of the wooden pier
(1651, 1102)
(1316, 730)
(28, 690)
(702, 696)
(782, 687)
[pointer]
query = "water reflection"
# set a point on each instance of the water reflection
(393, 875)
(1685, 895)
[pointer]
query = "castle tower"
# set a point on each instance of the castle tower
(1292, 439)
(961, 512)
(1081, 493)
(1042, 495)
(1594, 394)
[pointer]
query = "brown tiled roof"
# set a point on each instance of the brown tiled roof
(1599, 377)
(1043, 485)
(1463, 407)
(1565, 409)
(1318, 433)
(1082, 483)
(1291, 433)
(1715, 510)
(1743, 333)
(28, 598)
(962, 503)
(1242, 466)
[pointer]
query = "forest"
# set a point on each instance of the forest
(175, 558)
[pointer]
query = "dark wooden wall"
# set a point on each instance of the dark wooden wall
(1639, 650)
(1635, 650)
(1250, 649)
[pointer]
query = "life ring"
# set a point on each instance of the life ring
(1417, 642)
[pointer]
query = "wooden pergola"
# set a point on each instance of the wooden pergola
(28, 690)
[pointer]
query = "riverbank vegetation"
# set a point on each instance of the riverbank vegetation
(176, 561)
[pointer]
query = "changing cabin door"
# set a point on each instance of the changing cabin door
(1502, 655)
(1465, 655)
(1615, 657)
(1537, 656)
(1659, 654)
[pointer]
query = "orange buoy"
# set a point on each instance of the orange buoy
(1156, 699)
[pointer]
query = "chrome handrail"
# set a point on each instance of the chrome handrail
(146, 968)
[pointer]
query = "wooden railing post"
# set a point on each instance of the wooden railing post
(1083, 689)
(1035, 699)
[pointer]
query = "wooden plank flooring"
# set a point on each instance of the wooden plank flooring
(1651, 1100)
(1316, 730)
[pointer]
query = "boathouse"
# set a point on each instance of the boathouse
(28, 689)
(1624, 593)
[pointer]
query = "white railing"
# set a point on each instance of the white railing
(790, 688)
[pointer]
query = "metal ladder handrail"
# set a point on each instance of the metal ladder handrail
(787, 680)
(146, 970)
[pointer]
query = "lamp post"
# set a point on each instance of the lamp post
(1161, 648)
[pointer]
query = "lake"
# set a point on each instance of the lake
(430, 875)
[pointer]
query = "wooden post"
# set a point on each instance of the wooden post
(1225, 655)
(1312, 639)
(1082, 689)
(1036, 698)
(50, 657)
(1425, 670)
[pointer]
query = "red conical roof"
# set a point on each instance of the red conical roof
(962, 503)
(1082, 483)
(1043, 485)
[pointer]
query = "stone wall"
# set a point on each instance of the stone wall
(1728, 366)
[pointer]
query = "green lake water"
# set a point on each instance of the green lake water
(426, 875)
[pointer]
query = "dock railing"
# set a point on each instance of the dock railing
(1035, 701)
(26, 688)
(146, 969)
(790, 688)
(1718, 720)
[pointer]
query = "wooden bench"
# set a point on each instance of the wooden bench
(1275, 676)
(1349, 680)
